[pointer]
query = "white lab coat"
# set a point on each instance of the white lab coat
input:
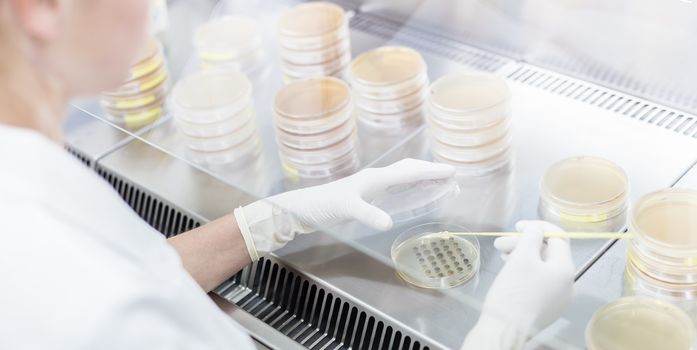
(79, 269)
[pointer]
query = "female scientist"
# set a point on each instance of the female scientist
(80, 270)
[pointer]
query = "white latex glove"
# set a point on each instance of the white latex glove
(269, 224)
(529, 293)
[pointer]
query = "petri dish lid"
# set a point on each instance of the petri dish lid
(639, 323)
(136, 118)
(316, 141)
(321, 55)
(398, 105)
(398, 122)
(211, 95)
(216, 128)
(243, 153)
(479, 168)
(320, 155)
(319, 69)
(667, 220)
(342, 166)
(464, 93)
(585, 183)
(222, 142)
(311, 19)
(227, 37)
(468, 137)
(312, 98)
(387, 65)
(143, 84)
(475, 153)
(410, 201)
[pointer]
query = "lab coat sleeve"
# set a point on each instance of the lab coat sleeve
(157, 323)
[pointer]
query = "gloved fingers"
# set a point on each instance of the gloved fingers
(544, 226)
(407, 171)
(559, 252)
(506, 245)
(530, 242)
(369, 215)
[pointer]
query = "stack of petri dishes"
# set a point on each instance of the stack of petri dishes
(584, 194)
(232, 42)
(662, 256)
(469, 118)
(639, 323)
(389, 87)
(141, 99)
(315, 129)
(314, 40)
(214, 114)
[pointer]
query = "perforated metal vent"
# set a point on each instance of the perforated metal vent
(594, 95)
(424, 40)
(308, 313)
(83, 158)
(280, 296)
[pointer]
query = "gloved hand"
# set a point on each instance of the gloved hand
(269, 224)
(529, 293)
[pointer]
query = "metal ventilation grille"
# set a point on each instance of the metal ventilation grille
(423, 40)
(83, 158)
(163, 217)
(627, 105)
(597, 72)
(308, 313)
(281, 297)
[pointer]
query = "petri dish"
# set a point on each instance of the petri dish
(226, 38)
(319, 155)
(316, 141)
(397, 105)
(217, 128)
(316, 70)
(313, 98)
(146, 83)
(316, 125)
(469, 100)
(411, 201)
(468, 137)
(345, 165)
(326, 54)
(211, 96)
(150, 59)
(386, 66)
(636, 282)
(464, 93)
(664, 225)
(135, 101)
(243, 153)
(222, 142)
(480, 168)
(391, 92)
(138, 117)
(396, 123)
(430, 256)
(311, 19)
(586, 193)
(471, 154)
(639, 323)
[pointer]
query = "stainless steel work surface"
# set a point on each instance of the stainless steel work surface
(90, 138)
